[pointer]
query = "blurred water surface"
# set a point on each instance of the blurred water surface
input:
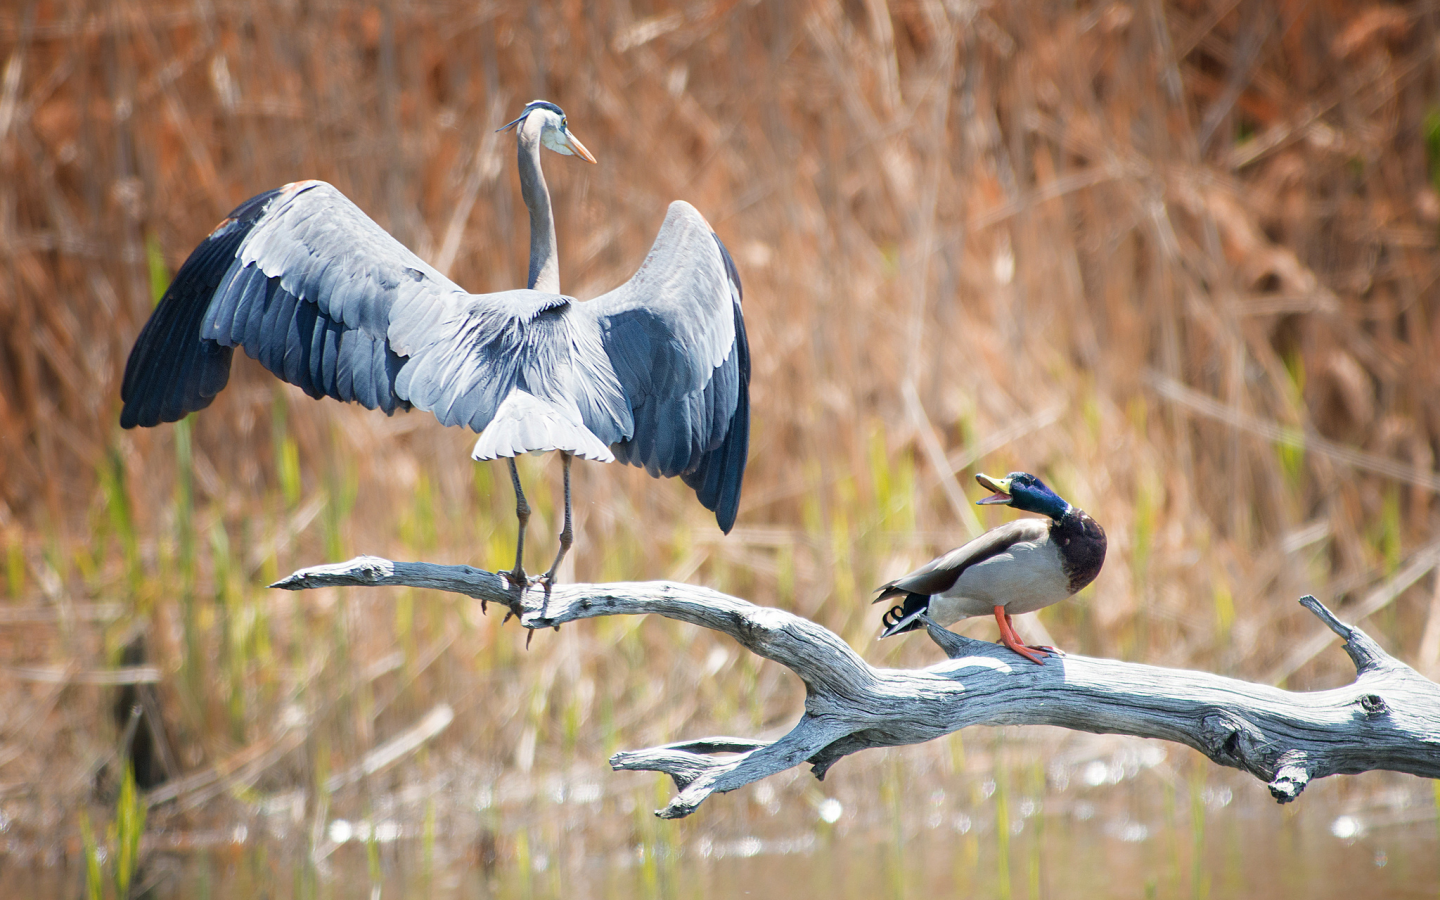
(1025, 814)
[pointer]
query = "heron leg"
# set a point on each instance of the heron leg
(567, 538)
(567, 534)
(517, 576)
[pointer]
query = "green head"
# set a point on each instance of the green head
(1023, 491)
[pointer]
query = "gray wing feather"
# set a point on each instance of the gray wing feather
(316, 285)
(306, 283)
(676, 340)
(324, 249)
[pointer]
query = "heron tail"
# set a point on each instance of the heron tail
(525, 423)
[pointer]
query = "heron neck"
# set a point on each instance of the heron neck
(544, 268)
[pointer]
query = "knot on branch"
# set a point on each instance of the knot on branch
(759, 626)
(1232, 741)
(1373, 706)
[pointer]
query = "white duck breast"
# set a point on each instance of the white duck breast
(1023, 578)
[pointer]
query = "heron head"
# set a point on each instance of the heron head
(554, 132)
(1023, 491)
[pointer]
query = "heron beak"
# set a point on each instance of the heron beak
(1000, 487)
(574, 144)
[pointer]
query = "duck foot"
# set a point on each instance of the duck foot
(1010, 639)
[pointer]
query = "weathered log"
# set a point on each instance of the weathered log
(1388, 718)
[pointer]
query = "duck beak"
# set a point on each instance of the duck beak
(1000, 487)
(574, 144)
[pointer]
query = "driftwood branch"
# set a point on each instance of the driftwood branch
(1388, 718)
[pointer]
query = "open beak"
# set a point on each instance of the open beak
(999, 486)
(574, 144)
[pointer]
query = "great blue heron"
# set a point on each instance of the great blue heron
(655, 373)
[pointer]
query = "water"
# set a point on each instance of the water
(1023, 813)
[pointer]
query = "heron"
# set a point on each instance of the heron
(655, 373)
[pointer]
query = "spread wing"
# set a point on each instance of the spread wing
(329, 301)
(675, 338)
(308, 285)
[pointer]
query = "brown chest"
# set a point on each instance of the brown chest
(1081, 542)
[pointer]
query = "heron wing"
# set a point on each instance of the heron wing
(675, 338)
(310, 286)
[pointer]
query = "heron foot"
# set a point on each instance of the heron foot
(547, 583)
(523, 582)
(518, 579)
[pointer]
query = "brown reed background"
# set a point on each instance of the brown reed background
(1179, 258)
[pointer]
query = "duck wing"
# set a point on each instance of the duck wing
(940, 574)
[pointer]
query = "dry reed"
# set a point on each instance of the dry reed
(1179, 258)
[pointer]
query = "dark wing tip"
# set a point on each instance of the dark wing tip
(736, 449)
(718, 478)
(171, 371)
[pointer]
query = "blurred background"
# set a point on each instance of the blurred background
(1178, 258)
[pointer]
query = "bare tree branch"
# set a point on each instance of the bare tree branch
(1388, 718)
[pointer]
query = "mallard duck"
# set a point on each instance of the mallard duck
(1019, 567)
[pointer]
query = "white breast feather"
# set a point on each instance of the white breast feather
(1026, 577)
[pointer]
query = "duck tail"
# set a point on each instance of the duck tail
(905, 616)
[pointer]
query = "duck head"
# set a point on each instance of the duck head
(1023, 491)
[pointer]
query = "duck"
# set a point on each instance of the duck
(1018, 567)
